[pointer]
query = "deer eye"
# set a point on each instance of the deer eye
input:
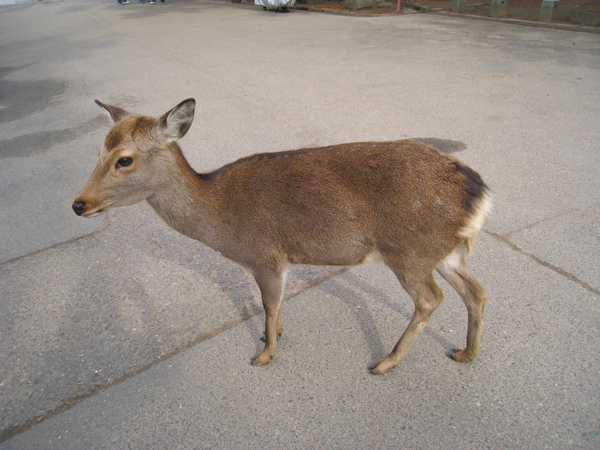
(124, 162)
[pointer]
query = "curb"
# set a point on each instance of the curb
(525, 23)
(426, 9)
(342, 13)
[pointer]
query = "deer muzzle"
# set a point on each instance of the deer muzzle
(79, 208)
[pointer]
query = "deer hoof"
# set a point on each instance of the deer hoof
(381, 367)
(375, 371)
(462, 355)
(262, 359)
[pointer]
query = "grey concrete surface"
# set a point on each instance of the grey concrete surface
(118, 332)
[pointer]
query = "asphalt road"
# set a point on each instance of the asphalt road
(117, 332)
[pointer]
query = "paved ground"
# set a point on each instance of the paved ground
(117, 332)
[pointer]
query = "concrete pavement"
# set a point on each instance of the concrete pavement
(118, 332)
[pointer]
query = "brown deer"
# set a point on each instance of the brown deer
(402, 202)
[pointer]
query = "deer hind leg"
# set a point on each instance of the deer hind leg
(455, 271)
(271, 286)
(427, 297)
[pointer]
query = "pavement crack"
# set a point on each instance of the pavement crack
(71, 402)
(58, 245)
(505, 240)
(548, 219)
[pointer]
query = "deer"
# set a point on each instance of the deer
(404, 203)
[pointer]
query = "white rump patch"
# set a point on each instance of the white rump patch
(475, 222)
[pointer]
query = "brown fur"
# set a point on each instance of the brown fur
(403, 202)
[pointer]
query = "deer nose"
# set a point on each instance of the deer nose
(79, 207)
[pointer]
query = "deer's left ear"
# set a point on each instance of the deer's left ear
(176, 123)
(114, 112)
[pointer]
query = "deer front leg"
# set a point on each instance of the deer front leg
(271, 286)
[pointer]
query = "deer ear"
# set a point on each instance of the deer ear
(115, 113)
(176, 123)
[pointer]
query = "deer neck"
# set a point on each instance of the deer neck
(183, 201)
